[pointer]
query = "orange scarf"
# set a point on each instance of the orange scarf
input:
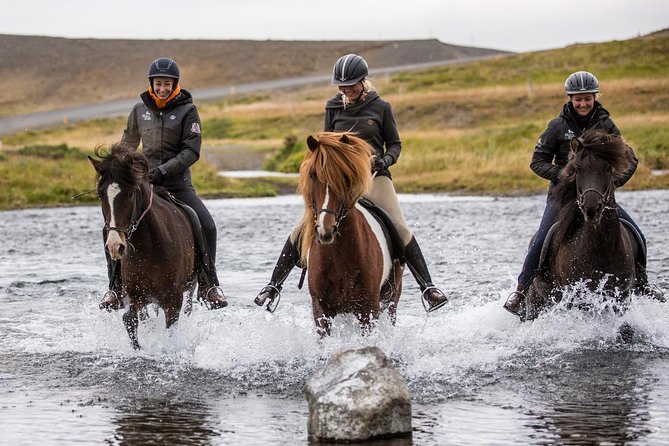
(161, 103)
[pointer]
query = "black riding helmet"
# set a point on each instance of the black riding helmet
(349, 70)
(581, 82)
(163, 67)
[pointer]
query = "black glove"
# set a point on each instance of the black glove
(382, 163)
(156, 177)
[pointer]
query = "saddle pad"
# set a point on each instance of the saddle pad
(395, 244)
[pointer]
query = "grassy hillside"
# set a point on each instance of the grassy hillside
(468, 128)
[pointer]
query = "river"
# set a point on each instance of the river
(68, 374)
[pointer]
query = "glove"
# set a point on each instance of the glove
(381, 163)
(156, 177)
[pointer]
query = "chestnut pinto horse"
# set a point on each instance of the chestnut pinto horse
(149, 236)
(349, 265)
(589, 243)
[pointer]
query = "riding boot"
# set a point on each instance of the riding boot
(414, 258)
(112, 298)
(515, 303)
(209, 289)
(288, 259)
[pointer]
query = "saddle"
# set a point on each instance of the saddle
(629, 226)
(395, 243)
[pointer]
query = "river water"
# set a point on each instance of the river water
(68, 374)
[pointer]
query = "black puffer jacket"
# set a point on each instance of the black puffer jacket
(372, 119)
(171, 138)
(552, 150)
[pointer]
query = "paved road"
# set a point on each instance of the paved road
(32, 121)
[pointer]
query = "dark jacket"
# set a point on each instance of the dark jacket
(171, 138)
(552, 150)
(371, 119)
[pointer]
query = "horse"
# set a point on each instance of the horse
(589, 243)
(349, 266)
(147, 235)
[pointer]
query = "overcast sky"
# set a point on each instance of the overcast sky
(515, 25)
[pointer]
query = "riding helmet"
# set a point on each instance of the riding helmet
(581, 82)
(163, 67)
(349, 70)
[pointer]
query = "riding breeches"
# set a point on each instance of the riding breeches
(189, 197)
(533, 257)
(382, 193)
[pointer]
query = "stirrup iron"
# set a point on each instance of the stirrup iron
(426, 304)
(271, 306)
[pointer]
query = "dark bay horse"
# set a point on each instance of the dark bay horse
(589, 243)
(349, 265)
(149, 236)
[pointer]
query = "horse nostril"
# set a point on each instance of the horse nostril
(121, 250)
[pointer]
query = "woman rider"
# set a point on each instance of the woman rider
(167, 124)
(359, 109)
(581, 112)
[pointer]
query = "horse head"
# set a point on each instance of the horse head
(121, 177)
(596, 159)
(335, 173)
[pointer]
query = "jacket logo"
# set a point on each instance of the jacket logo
(370, 122)
(195, 128)
(569, 135)
(172, 117)
(146, 116)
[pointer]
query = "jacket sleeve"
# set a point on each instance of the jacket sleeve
(391, 136)
(620, 178)
(191, 142)
(544, 154)
(131, 135)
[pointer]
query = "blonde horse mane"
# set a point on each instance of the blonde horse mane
(343, 162)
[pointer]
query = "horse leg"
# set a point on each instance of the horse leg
(131, 322)
(322, 323)
(171, 315)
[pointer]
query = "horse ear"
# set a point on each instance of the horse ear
(576, 144)
(344, 139)
(95, 163)
(312, 143)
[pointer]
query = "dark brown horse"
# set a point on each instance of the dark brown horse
(149, 236)
(589, 244)
(349, 265)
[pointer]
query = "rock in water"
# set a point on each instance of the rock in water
(358, 395)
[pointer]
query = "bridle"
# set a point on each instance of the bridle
(605, 197)
(339, 214)
(134, 220)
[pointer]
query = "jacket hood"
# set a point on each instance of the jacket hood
(336, 101)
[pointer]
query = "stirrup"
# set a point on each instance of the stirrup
(221, 303)
(426, 304)
(271, 306)
(521, 306)
(106, 303)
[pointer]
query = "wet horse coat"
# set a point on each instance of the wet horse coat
(350, 268)
(149, 237)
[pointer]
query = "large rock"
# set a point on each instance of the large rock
(358, 395)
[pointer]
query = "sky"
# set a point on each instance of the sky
(513, 25)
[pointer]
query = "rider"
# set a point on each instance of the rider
(358, 108)
(167, 124)
(581, 112)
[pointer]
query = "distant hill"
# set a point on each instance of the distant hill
(43, 73)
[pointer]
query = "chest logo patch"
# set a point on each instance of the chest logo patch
(195, 128)
(146, 116)
(569, 135)
(173, 117)
(370, 122)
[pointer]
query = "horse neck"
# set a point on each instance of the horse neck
(605, 235)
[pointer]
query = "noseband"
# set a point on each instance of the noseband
(134, 220)
(339, 215)
(605, 197)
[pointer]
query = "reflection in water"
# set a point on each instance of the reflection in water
(592, 397)
(164, 422)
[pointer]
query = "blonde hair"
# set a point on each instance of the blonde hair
(366, 88)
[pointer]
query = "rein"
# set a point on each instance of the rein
(134, 222)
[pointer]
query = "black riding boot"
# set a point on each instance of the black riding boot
(112, 298)
(288, 259)
(515, 303)
(209, 289)
(414, 257)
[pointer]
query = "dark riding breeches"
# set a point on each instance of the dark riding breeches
(189, 197)
(531, 264)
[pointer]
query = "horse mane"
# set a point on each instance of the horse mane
(594, 144)
(121, 164)
(343, 162)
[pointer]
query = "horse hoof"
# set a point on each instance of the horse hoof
(626, 333)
